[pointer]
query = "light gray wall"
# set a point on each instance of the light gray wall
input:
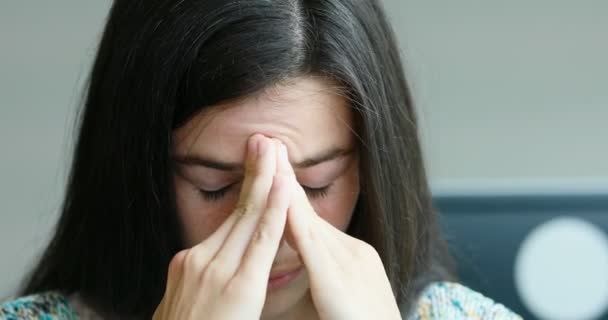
(45, 51)
(508, 91)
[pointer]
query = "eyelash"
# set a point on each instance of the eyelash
(217, 195)
(317, 192)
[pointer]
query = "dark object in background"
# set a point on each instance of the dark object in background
(485, 232)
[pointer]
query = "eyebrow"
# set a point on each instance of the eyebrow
(197, 160)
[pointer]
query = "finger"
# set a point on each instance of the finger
(250, 210)
(209, 247)
(308, 236)
(175, 271)
(262, 249)
(334, 239)
(342, 247)
(252, 166)
(200, 255)
(175, 275)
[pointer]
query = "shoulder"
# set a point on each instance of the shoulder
(447, 300)
(47, 305)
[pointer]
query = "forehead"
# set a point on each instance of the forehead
(308, 114)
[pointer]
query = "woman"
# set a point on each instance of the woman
(246, 160)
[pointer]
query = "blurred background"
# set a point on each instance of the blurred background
(513, 107)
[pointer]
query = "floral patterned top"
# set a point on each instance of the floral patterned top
(440, 301)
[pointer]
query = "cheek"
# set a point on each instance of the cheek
(337, 208)
(198, 218)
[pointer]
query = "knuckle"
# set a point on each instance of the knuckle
(262, 235)
(252, 168)
(365, 251)
(214, 274)
(194, 261)
(257, 169)
(239, 210)
(176, 263)
(267, 227)
(245, 208)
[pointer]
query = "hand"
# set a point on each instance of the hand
(347, 278)
(226, 276)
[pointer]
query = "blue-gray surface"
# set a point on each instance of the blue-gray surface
(485, 232)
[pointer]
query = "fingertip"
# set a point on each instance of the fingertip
(267, 154)
(263, 144)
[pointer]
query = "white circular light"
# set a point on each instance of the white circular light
(561, 270)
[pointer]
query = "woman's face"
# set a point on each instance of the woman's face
(312, 120)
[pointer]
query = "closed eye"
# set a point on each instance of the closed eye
(317, 192)
(216, 195)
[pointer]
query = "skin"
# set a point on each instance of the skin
(267, 152)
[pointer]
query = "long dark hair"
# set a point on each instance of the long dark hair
(160, 62)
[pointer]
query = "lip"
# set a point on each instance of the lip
(282, 278)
